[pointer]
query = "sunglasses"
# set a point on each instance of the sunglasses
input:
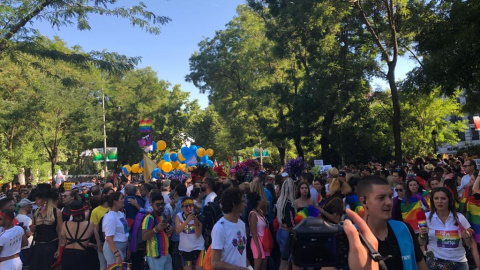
(399, 190)
(158, 205)
(188, 205)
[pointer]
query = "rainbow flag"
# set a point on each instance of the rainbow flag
(461, 205)
(355, 205)
(145, 126)
(426, 195)
(320, 200)
(409, 211)
(473, 216)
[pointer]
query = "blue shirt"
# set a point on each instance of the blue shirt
(270, 206)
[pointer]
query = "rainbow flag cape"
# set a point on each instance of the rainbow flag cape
(145, 126)
(473, 216)
(409, 211)
(355, 205)
(309, 211)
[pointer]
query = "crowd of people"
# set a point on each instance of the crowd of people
(421, 215)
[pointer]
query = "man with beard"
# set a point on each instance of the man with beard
(156, 230)
(207, 189)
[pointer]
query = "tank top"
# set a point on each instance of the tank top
(261, 224)
(188, 239)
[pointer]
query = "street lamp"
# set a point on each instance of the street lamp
(434, 138)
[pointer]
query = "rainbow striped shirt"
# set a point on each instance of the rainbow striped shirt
(158, 245)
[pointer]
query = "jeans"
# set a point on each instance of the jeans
(101, 259)
(164, 262)
(109, 256)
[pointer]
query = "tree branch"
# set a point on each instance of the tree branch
(414, 55)
(376, 38)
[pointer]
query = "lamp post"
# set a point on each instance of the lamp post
(434, 138)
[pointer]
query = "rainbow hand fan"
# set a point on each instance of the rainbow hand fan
(310, 211)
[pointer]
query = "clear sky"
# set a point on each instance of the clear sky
(167, 53)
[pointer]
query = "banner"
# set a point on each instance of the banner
(98, 155)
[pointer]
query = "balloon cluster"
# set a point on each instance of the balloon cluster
(182, 160)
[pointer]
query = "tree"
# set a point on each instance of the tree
(15, 36)
(383, 19)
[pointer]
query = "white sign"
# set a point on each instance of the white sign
(477, 161)
(318, 162)
(325, 168)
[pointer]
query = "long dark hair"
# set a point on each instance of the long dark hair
(298, 190)
(451, 201)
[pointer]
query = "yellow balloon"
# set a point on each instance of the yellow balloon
(135, 168)
(175, 164)
(129, 169)
(161, 145)
(160, 164)
(167, 167)
(140, 170)
(180, 156)
(209, 152)
(201, 152)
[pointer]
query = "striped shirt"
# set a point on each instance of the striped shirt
(157, 245)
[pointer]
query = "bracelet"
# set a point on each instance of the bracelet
(155, 229)
(422, 236)
(115, 252)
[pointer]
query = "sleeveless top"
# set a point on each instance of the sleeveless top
(261, 224)
(188, 239)
(44, 232)
(77, 239)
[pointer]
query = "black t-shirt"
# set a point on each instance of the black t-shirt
(288, 215)
(390, 247)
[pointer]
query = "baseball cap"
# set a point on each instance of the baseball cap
(25, 202)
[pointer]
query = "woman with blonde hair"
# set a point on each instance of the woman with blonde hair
(257, 187)
(46, 227)
(333, 207)
(285, 214)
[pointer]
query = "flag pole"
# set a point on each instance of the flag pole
(104, 134)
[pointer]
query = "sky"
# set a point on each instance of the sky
(167, 53)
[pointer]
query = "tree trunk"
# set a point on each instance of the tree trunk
(325, 139)
(298, 146)
(281, 151)
(396, 113)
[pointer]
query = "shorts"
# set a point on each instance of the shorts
(197, 262)
(25, 255)
(255, 251)
(13, 264)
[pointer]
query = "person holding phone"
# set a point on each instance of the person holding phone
(192, 244)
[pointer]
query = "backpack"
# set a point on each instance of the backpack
(100, 229)
(212, 213)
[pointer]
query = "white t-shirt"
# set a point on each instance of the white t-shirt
(232, 240)
(445, 239)
(465, 180)
(114, 223)
(11, 241)
(189, 190)
(26, 222)
(166, 197)
(210, 197)
(188, 240)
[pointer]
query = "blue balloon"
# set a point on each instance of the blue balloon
(141, 164)
(174, 157)
(185, 151)
(166, 157)
(182, 162)
(124, 170)
(156, 173)
(204, 158)
(193, 150)
(210, 163)
(154, 146)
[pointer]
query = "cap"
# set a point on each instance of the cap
(25, 202)
(284, 174)
(333, 172)
(271, 176)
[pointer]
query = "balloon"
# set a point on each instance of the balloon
(156, 173)
(167, 167)
(180, 156)
(209, 152)
(135, 168)
(161, 145)
(193, 150)
(140, 170)
(185, 151)
(173, 156)
(141, 164)
(125, 171)
(175, 164)
(129, 169)
(154, 146)
(201, 152)
(204, 159)
(210, 164)
(161, 163)
(166, 157)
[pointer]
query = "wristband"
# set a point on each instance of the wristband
(155, 229)
(115, 252)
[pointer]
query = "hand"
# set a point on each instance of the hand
(466, 234)
(57, 253)
(358, 257)
(423, 230)
(169, 231)
(118, 259)
(32, 228)
(161, 226)
(134, 203)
